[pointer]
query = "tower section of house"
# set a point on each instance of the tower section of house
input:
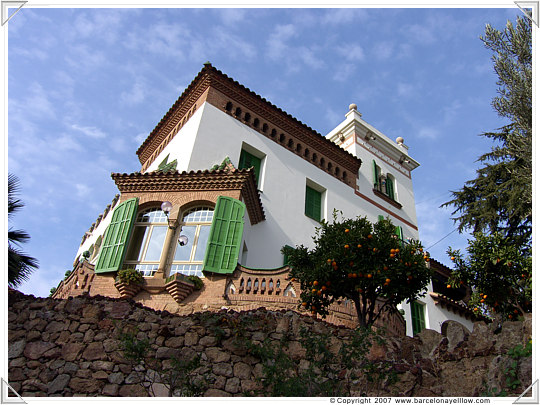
(227, 180)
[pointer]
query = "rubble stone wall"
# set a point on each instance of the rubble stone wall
(73, 347)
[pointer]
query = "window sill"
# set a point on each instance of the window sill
(386, 198)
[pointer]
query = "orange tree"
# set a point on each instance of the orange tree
(360, 261)
(500, 273)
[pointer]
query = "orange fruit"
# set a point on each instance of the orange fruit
(346, 230)
(354, 275)
(334, 264)
(485, 296)
(369, 275)
(370, 236)
(315, 283)
(346, 246)
(448, 286)
(482, 301)
(319, 292)
(452, 258)
(329, 261)
(387, 280)
(314, 290)
(392, 255)
(304, 304)
(323, 288)
(374, 249)
(359, 246)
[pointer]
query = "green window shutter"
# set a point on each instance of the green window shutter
(381, 217)
(286, 256)
(390, 188)
(313, 204)
(225, 237)
(117, 237)
(248, 160)
(417, 315)
(399, 232)
(376, 173)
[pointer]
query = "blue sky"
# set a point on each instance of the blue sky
(87, 85)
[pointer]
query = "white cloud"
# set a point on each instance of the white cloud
(351, 53)
(428, 133)
(37, 104)
(308, 57)
(231, 16)
(338, 16)
(277, 47)
(82, 190)
(91, 132)
(135, 96)
(343, 71)
(405, 89)
(383, 50)
(81, 57)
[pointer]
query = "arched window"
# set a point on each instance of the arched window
(147, 241)
(228, 107)
(97, 247)
(191, 241)
(256, 123)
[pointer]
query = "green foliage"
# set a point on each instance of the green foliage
(354, 259)
(499, 199)
(165, 167)
(67, 274)
(178, 379)
(86, 254)
(512, 381)
(329, 371)
(52, 291)
(499, 272)
(197, 281)
(134, 349)
(130, 276)
(20, 265)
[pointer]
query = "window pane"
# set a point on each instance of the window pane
(183, 253)
(152, 215)
(201, 243)
(140, 233)
(155, 245)
(199, 215)
(187, 269)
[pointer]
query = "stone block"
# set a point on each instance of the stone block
(15, 349)
(94, 351)
(58, 384)
(224, 369)
(242, 370)
(216, 355)
(35, 350)
(213, 392)
(70, 351)
(233, 385)
(132, 390)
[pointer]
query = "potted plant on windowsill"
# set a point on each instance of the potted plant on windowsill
(129, 282)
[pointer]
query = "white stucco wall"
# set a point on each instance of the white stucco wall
(181, 146)
(283, 183)
(434, 314)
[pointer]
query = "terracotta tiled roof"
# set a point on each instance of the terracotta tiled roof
(456, 306)
(209, 73)
(243, 180)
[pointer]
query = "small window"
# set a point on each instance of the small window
(313, 204)
(418, 317)
(376, 175)
(389, 186)
(248, 160)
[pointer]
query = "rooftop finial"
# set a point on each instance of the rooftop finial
(207, 64)
(353, 106)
